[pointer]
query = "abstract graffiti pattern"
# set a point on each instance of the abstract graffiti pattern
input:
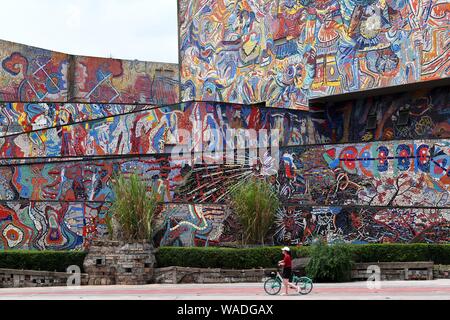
(50, 225)
(192, 225)
(404, 173)
(29, 74)
(112, 129)
(428, 117)
(147, 130)
(286, 51)
(302, 225)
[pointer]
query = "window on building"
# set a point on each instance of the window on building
(403, 117)
(371, 122)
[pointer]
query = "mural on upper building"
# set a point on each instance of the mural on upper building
(422, 114)
(30, 74)
(285, 51)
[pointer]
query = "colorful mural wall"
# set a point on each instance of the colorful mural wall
(36, 225)
(189, 225)
(93, 130)
(375, 174)
(302, 225)
(64, 130)
(68, 123)
(428, 117)
(285, 51)
(57, 161)
(29, 74)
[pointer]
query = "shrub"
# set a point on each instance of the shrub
(255, 203)
(330, 263)
(41, 260)
(132, 209)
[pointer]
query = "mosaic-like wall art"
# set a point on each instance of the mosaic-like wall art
(302, 225)
(287, 51)
(400, 174)
(50, 225)
(29, 74)
(98, 130)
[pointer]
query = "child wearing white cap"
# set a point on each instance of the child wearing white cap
(286, 263)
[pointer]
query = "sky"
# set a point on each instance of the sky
(123, 29)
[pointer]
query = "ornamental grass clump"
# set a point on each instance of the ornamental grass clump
(132, 210)
(255, 203)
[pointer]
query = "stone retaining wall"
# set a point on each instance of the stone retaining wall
(10, 278)
(114, 262)
(441, 271)
(395, 270)
(173, 275)
(389, 271)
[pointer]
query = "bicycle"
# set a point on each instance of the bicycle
(273, 285)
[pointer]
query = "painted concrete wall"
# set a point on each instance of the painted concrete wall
(68, 123)
(30, 74)
(335, 178)
(285, 51)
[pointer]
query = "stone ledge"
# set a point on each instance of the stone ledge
(11, 278)
(173, 275)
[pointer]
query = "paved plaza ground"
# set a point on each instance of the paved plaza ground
(390, 290)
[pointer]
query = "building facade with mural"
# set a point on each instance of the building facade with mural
(356, 163)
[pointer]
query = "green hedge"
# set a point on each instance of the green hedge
(226, 258)
(439, 253)
(41, 260)
(267, 257)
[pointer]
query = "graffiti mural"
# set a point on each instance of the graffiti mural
(122, 81)
(50, 225)
(126, 129)
(29, 74)
(308, 48)
(25, 117)
(402, 174)
(427, 116)
(193, 225)
(32, 74)
(115, 129)
(302, 225)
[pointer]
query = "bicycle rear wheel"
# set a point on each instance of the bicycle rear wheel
(272, 286)
(305, 285)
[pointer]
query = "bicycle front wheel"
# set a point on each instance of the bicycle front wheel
(305, 285)
(272, 286)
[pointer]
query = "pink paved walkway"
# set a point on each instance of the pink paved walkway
(438, 289)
